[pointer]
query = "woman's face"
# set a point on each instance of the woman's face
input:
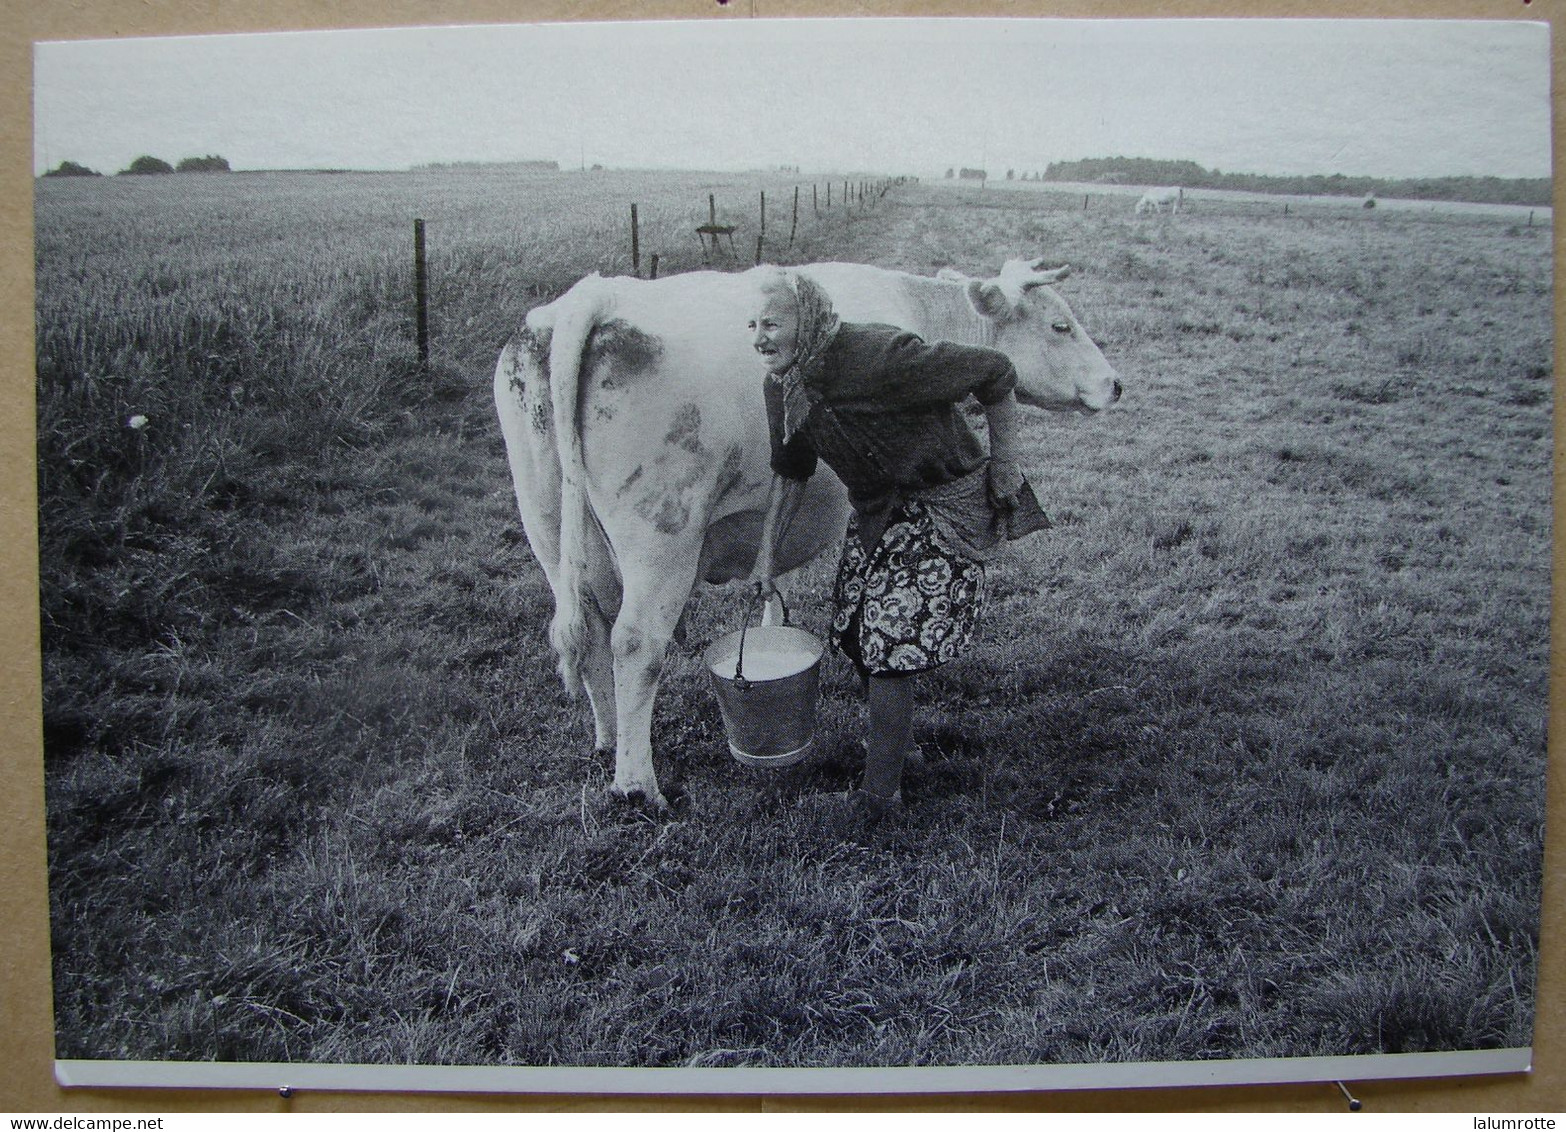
(775, 330)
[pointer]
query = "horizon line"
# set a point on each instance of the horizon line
(541, 165)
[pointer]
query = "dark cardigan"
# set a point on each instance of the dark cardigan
(889, 421)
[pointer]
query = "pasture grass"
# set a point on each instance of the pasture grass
(1249, 762)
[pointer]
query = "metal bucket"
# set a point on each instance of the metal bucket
(766, 679)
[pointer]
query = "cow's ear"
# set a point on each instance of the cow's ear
(989, 300)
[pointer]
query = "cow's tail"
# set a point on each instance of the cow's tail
(579, 312)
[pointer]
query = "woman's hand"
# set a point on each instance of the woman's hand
(1005, 481)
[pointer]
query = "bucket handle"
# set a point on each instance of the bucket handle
(740, 683)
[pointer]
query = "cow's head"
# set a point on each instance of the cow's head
(1058, 366)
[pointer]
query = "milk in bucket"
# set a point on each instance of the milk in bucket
(772, 662)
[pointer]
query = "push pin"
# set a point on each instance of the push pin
(287, 1092)
(1353, 1101)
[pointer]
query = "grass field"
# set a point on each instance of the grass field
(1250, 762)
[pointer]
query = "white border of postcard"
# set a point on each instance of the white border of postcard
(935, 1079)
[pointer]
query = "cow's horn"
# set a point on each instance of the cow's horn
(1042, 276)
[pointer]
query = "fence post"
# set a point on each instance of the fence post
(829, 194)
(654, 273)
(793, 225)
(421, 296)
(815, 200)
(636, 246)
(758, 250)
(763, 212)
(712, 211)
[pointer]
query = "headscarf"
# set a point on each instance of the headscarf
(818, 325)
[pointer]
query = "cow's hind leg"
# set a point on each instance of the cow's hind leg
(597, 670)
(649, 611)
(583, 640)
(598, 679)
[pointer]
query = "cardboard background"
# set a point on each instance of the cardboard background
(26, 1031)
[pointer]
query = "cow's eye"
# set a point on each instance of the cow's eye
(1062, 327)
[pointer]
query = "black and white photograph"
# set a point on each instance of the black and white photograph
(798, 555)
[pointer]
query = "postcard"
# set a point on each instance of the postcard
(795, 556)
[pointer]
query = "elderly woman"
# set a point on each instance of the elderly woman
(883, 408)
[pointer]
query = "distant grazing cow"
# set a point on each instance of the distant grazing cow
(1161, 200)
(634, 423)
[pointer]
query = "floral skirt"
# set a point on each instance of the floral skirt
(907, 604)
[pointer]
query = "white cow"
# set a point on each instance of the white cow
(1161, 200)
(634, 423)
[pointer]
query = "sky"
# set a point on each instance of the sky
(1382, 98)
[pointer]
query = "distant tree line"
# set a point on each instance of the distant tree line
(208, 164)
(1188, 174)
(71, 169)
(146, 165)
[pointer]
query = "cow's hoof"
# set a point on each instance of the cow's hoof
(648, 801)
